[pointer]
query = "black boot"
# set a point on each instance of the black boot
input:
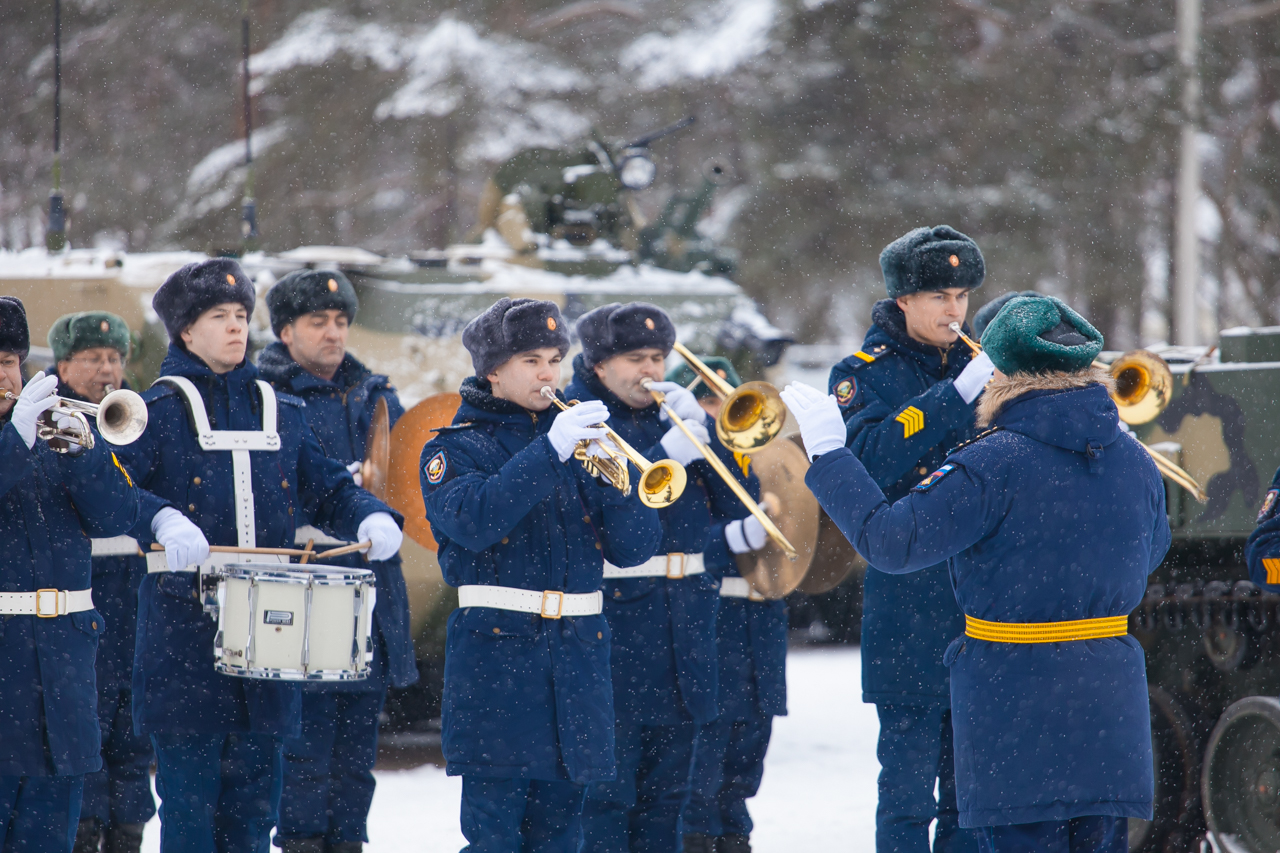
(345, 847)
(733, 844)
(696, 842)
(124, 838)
(88, 836)
(302, 845)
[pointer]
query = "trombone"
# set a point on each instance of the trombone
(121, 416)
(1144, 385)
(714, 461)
(661, 483)
(752, 415)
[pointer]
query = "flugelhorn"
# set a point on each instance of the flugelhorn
(714, 461)
(752, 415)
(121, 416)
(661, 483)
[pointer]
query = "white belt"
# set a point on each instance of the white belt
(549, 604)
(46, 603)
(116, 546)
(308, 533)
(158, 562)
(739, 588)
(674, 565)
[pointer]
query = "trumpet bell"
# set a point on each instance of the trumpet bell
(751, 417)
(1144, 386)
(122, 417)
(662, 484)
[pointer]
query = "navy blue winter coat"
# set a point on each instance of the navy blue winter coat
(50, 504)
(1056, 515)
(1262, 551)
(665, 662)
(175, 687)
(340, 412)
(525, 697)
(903, 416)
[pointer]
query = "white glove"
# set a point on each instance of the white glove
(681, 401)
(381, 530)
(64, 421)
(974, 377)
(818, 416)
(183, 542)
(745, 535)
(594, 448)
(678, 446)
(575, 424)
(36, 399)
(354, 469)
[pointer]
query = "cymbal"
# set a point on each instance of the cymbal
(377, 452)
(834, 559)
(404, 481)
(781, 468)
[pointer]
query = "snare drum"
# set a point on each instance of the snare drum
(294, 624)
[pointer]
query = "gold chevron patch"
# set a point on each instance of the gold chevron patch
(1272, 565)
(912, 420)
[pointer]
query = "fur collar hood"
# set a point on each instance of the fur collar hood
(1003, 390)
(1068, 410)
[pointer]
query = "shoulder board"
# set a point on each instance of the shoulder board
(864, 357)
(454, 427)
(290, 399)
(975, 439)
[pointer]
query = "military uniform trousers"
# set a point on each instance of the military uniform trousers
(640, 811)
(521, 815)
(121, 791)
(38, 814)
(1093, 834)
(219, 793)
(916, 754)
(727, 768)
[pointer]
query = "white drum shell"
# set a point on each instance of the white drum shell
(294, 624)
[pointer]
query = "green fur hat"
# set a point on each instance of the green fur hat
(1037, 334)
(73, 333)
(683, 374)
(984, 315)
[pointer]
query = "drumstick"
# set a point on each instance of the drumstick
(307, 556)
(345, 549)
(233, 549)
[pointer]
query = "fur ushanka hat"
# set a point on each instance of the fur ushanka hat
(988, 312)
(196, 288)
(1037, 334)
(73, 333)
(683, 374)
(15, 337)
(931, 259)
(616, 328)
(510, 327)
(304, 291)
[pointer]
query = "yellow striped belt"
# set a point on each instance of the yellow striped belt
(1046, 632)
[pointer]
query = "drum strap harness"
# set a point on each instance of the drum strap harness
(739, 588)
(1046, 632)
(675, 565)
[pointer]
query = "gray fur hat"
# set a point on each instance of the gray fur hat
(931, 259)
(510, 327)
(617, 328)
(196, 288)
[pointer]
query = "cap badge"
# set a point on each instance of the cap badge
(104, 326)
(333, 286)
(955, 260)
(551, 323)
(648, 323)
(231, 280)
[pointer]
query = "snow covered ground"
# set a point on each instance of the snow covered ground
(819, 790)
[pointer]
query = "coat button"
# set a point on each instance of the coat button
(191, 507)
(923, 470)
(617, 593)
(505, 540)
(284, 484)
(290, 510)
(599, 634)
(95, 625)
(195, 481)
(587, 519)
(599, 547)
(497, 630)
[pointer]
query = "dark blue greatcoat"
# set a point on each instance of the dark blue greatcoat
(340, 412)
(1264, 542)
(903, 415)
(175, 688)
(665, 661)
(525, 697)
(50, 504)
(1058, 515)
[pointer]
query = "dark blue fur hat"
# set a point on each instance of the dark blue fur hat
(304, 291)
(510, 327)
(616, 328)
(931, 259)
(15, 337)
(196, 288)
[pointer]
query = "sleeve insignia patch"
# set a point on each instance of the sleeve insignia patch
(436, 468)
(934, 477)
(129, 479)
(845, 389)
(1268, 504)
(912, 420)
(1272, 567)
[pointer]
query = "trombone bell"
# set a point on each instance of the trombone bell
(1144, 386)
(751, 417)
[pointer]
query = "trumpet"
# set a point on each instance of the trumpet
(121, 416)
(752, 415)
(661, 483)
(1144, 385)
(714, 461)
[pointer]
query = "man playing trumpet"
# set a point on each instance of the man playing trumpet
(663, 613)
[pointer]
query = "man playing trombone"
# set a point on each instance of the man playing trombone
(907, 398)
(91, 349)
(663, 612)
(50, 504)
(524, 530)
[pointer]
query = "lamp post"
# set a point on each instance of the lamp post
(55, 238)
(248, 209)
(1186, 319)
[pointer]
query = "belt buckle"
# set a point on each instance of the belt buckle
(679, 573)
(40, 613)
(552, 604)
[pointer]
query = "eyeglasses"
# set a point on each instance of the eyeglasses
(97, 362)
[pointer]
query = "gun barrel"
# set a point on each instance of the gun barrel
(655, 135)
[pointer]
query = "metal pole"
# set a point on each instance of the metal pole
(248, 210)
(1186, 313)
(56, 236)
